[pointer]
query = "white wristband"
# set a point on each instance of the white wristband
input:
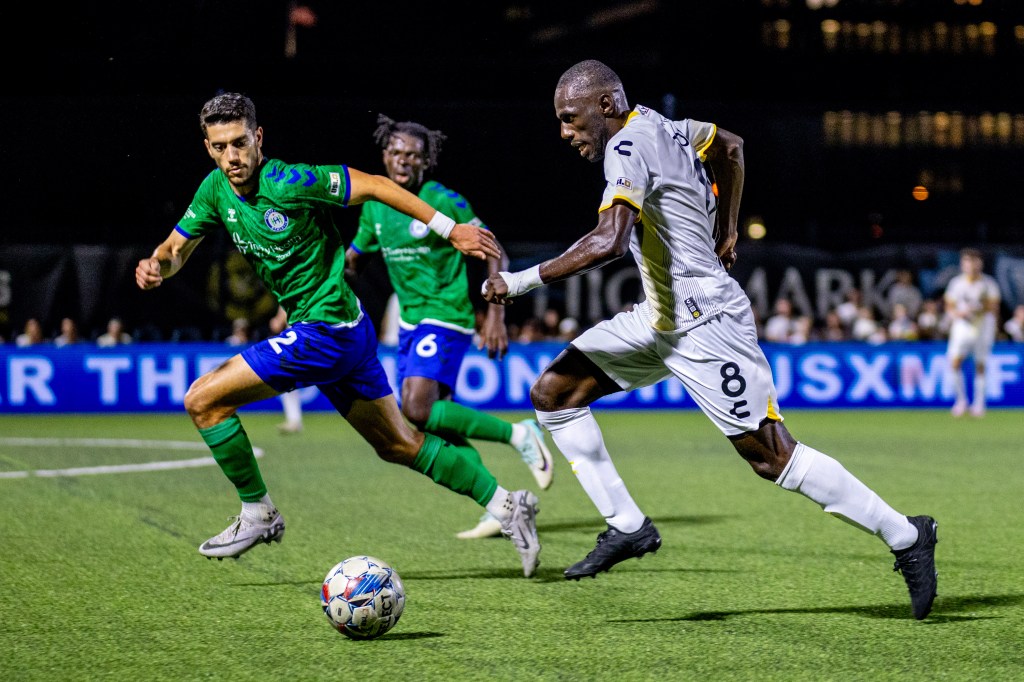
(441, 224)
(520, 282)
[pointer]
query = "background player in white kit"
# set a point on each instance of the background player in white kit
(696, 324)
(972, 302)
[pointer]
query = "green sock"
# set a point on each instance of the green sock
(447, 417)
(456, 467)
(233, 451)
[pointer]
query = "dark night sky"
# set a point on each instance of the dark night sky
(101, 142)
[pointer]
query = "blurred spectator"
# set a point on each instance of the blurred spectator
(849, 309)
(905, 292)
(902, 326)
(568, 329)
(834, 329)
(929, 320)
(552, 318)
(532, 330)
(803, 330)
(779, 327)
(241, 333)
(32, 334)
(115, 334)
(1014, 327)
(866, 327)
(68, 333)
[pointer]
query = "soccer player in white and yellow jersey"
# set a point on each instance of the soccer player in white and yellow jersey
(972, 302)
(695, 324)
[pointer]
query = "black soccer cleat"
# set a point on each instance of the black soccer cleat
(917, 564)
(614, 546)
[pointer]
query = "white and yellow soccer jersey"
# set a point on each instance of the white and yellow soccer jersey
(656, 165)
(972, 299)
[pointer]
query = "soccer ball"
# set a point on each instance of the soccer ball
(362, 597)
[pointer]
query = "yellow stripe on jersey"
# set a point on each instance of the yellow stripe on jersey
(661, 299)
(702, 147)
(772, 413)
(625, 200)
(633, 114)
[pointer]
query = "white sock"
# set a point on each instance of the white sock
(292, 403)
(958, 387)
(263, 510)
(500, 505)
(577, 435)
(519, 434)
(979, 389)
(822, 479)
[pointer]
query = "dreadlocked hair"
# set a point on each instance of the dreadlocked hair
(432, 139)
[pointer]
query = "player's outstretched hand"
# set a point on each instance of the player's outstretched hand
(474, 241)
(495, 290)
(147, 274)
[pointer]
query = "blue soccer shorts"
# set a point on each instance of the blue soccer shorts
(340, 360)
(433, 352)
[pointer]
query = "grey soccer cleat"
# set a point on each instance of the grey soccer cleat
(521, 529)
(242, 535)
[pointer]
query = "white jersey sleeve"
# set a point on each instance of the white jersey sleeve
(656, 165)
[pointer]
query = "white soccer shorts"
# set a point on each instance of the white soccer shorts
(720, 364)
(967, 339)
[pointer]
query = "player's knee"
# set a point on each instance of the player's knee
(767, 450)
(196, 403)
(417, 412)
(541, 394)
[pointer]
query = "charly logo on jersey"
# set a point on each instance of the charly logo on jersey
(691, 305)
(275, 220)
(418, 229)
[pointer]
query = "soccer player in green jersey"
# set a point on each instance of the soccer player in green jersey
(436, 317)
(278, 215)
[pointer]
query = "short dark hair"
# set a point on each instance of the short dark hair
(971, 253)
(228, 107)
(432, 139)
(589, 75)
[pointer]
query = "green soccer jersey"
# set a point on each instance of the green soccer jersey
(287, 233)
(427, 272)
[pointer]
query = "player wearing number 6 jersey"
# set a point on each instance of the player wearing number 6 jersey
(695, 324)
(436, 316)
(278, 215)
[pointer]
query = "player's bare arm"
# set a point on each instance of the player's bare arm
(607, 242)
(355, 263)
(725, 157)
(494, 333)
(469, 239)
(167, 259)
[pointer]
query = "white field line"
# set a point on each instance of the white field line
(165, 465)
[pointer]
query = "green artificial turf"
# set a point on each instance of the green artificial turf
(101, 579)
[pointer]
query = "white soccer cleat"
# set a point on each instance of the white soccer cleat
(536, 454)
(488, 527)
(521, 529)
(242, 535)
(287, 428)
(977, 411)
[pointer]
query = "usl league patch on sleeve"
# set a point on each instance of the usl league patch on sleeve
(335, 186)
